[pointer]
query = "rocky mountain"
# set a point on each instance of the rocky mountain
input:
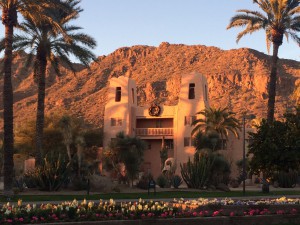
(237, 79)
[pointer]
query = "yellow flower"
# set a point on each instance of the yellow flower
(19, 202)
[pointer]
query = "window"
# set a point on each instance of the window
(115, 122)
(169, 143)
(186, 141)
(205, 92)
(132, 95)
(188, 120)
(118, 94)
(192, 91)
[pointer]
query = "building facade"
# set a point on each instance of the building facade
(156, 124)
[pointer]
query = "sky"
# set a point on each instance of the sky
(120, 23)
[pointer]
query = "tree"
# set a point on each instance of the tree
(127, 150)
(218, 120)
(276, 147)
(279, 18)
(10, 9)
(48, 44)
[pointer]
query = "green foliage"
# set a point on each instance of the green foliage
(127, 150)
(196, 174)
(52, 174)
(286, 179)
(208, 168)
(220, 120)
(162, 181)
(210, 140)
(176, 181)
(93, 138)
(239, 165)
(220, 170)
(144, 181)
(276, 147)
(163, 156)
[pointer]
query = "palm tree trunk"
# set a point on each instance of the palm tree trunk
(272, 84)
(40, 114)
(9, 19)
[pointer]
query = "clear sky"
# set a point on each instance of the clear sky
(119, 23)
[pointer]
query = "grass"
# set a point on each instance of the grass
(159, 195)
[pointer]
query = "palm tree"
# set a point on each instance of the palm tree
(10, 9)
(48, 44)
(279, 18)
(218, 120)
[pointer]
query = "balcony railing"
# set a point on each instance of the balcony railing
(154, 131)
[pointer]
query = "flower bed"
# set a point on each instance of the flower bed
(282, 209)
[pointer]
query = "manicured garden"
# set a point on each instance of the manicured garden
(202, 210)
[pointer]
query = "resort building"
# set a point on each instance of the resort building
(157, 124)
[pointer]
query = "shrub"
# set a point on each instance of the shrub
(286, 179)
(144, 181)
(176, 181)
(162, 181)
(220, 170)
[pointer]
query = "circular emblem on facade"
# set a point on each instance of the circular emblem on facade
(154, 110)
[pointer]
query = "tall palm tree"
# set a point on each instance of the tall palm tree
(279, 18)
(10, 10)
(218, 120)
(47, 44)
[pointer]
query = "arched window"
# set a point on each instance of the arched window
(192, 91)
(118, 94)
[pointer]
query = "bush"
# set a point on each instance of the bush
(176, 181)
(144, 181)
(286, 179)
(220, 171)
(162, 181)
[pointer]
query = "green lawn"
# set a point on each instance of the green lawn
(159, 195)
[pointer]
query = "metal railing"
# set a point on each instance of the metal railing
(154, 131)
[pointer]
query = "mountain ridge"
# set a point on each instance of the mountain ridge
(237, 78)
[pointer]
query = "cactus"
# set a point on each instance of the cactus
(196, 174)
(176, 181)
(52, 174)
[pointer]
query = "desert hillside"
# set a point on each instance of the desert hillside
(237, 78)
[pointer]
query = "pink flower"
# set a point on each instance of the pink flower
(215, 213)
(194, 214)
(294, 211)
(9, 220)
(280, 212)
(21, 219)
(231, 214)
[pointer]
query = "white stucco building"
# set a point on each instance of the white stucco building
(153, 124)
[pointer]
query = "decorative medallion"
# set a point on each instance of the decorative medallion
(154, 110)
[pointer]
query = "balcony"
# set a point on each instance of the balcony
(154, 131)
